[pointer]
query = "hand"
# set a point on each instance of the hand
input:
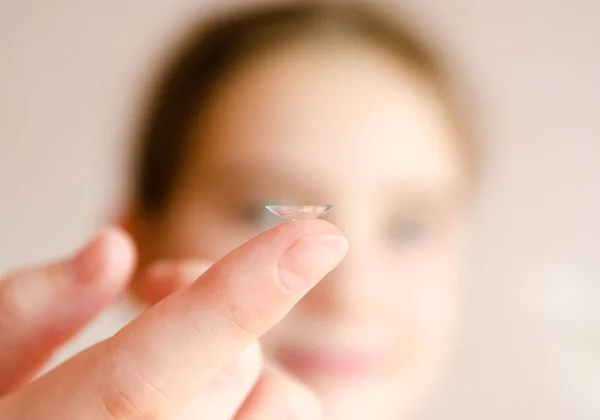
(197, 345)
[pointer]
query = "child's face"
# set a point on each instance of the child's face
(352, 127)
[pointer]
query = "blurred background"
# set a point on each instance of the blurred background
(72, 72)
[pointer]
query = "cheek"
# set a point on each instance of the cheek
(420, 284)
(421, 304)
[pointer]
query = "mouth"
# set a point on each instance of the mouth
(338, 363)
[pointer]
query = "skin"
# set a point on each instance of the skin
(289, 128)
(295, 126)
(211, 328)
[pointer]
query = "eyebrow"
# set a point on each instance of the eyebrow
(252, 175)
(240, 177)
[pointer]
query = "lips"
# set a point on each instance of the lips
(345, 363)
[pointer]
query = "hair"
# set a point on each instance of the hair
(211, 51)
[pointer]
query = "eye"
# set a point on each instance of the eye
(405, 231)
(256, 215)
(249, 212)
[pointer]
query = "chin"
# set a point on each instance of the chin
(368, 399)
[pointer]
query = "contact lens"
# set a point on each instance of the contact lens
(297, 213)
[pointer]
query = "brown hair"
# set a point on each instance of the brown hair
(212, 50)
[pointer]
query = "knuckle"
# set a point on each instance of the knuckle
(117, 404)
(245, 317)
(127, 393)
(114, 396)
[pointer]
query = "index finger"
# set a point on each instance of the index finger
(163, 358)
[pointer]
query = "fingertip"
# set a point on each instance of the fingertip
(309, 259)
(308, 227)
(303, 252)
(119, 253)
(281, 237)
(110, 256)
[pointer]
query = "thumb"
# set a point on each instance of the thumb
(226, 393)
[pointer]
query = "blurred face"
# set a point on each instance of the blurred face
(353, 127)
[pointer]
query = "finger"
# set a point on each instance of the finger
(42, 307)
(278, 395)
(224, 395)
(165, 277)
(173, 350)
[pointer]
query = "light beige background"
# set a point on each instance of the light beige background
(71, 72)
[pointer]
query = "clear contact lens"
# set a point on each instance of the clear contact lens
(297, 213)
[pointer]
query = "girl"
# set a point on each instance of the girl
(302, 103)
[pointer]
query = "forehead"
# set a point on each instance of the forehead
(331, 114)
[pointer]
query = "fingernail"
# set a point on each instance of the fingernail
(309, 259)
